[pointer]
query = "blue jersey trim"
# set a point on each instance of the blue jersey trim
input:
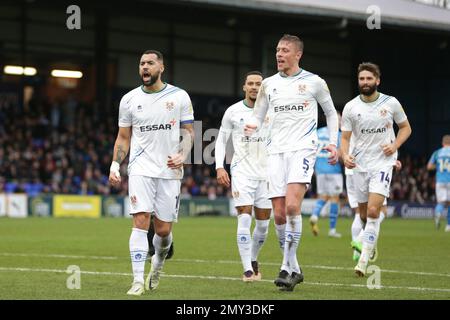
(186, 122)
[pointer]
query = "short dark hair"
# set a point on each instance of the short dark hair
(371, 67)
(250, 73)
(293, 39)
(158, 54)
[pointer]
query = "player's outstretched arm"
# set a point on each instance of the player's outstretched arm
(121, 148)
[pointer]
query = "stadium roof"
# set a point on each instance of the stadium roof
(406, 13)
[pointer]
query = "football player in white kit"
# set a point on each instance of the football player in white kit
(152, 117)
(249, 179)
(290, 98)
(368, 119)
(359, 222)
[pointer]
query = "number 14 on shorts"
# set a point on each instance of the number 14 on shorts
(385, 177)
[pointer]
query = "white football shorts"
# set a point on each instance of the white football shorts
(351, 189)
(442, 192)
(329, 184)
(289, 167)
(160, 197)
(378, 181)
(249, 192)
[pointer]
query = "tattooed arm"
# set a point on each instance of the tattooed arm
(121, 148)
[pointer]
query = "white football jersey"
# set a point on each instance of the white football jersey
(291, 104)
(155, 119)
(371, 125)
(249, 158)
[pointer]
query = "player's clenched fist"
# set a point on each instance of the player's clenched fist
(389, 149)
(349, 161)
(114, 174)
(175, 161)
(333, 158)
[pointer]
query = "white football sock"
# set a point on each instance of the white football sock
(357, 226)
(280, 230)
(381, 217)
(259, 237)
(371, 232)
(138, 252)
(162, 246)
(293, 234)
(244, 240)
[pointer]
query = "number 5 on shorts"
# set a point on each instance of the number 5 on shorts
(305, 165)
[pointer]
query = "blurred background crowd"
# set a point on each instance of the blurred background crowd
(66, 148)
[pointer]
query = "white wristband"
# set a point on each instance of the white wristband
(115, 167)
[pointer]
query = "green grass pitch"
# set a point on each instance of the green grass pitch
(36, 252)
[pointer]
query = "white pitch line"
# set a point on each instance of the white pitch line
(102, 273)
(420, 273)
(314, 267)
(326, 284)
(63, 256)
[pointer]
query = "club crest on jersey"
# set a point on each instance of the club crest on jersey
(170, 105)
(235, 194)
(139, 108)
(302, 88)
(383, 112)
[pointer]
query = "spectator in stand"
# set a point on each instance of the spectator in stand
(58, 155)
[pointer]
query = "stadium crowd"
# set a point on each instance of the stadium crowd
(66, 147)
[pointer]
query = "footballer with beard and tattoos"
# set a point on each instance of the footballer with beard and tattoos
(152, 118)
